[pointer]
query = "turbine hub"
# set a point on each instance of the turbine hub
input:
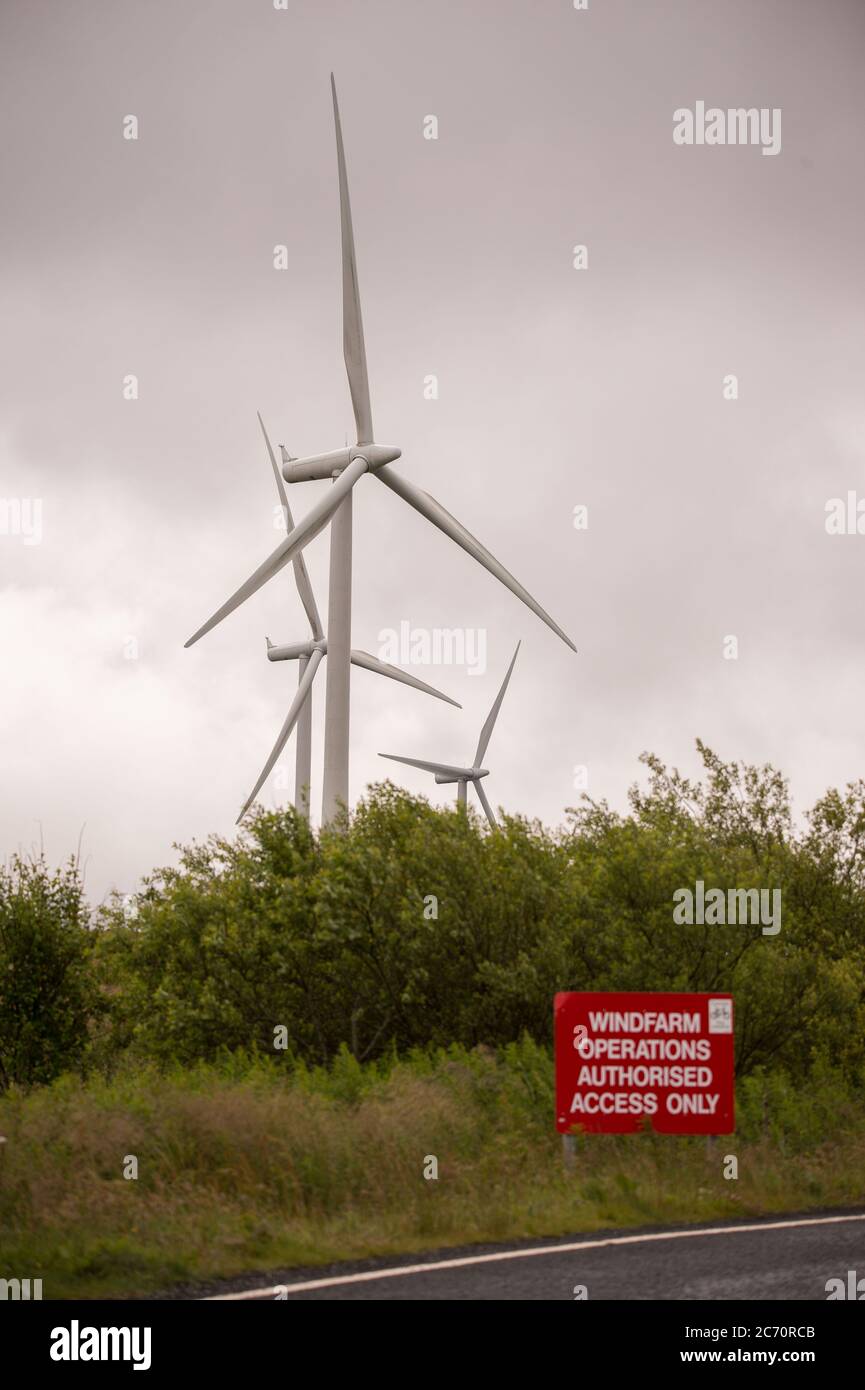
(376, 454)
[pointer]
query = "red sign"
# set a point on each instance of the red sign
(629, 1061)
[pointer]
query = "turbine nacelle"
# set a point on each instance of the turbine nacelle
(318, 466)
(294, 651)
(472, 774)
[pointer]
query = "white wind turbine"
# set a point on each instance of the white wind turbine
(309, 655)
(346, 467)
(446, 772)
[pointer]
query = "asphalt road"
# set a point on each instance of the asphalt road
(776, 1259)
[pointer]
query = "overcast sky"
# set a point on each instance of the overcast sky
(557, 387)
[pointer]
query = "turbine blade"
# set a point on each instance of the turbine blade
(303, 688)
(372, 663)
(301, 575)
(444, 768)
(280, 485)
(436, 513)
(486, 805)
(352, 323)
(303, 533)
(486, 731)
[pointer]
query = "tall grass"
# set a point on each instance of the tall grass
(258, 1163)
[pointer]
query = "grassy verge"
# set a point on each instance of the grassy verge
(260, 1164)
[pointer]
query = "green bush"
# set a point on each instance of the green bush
(414, 927)
(47, 994)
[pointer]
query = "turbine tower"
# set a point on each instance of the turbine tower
(346, 467)
(446, 772)
(309, 655)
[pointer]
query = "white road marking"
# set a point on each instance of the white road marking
(399, 1271)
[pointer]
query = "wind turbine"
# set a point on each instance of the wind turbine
(309, 655)
(446, 772)
(346, 467)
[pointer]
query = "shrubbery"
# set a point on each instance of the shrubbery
(47, 994)
(332, 935)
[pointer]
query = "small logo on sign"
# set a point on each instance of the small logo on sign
(720, 1015)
